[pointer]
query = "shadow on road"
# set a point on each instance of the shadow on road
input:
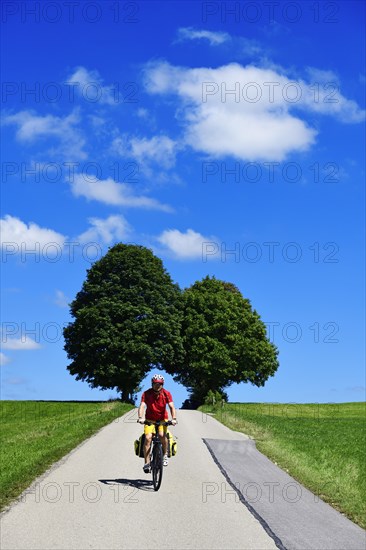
(143, 484)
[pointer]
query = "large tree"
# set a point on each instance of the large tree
(126, 320)
(224, 340)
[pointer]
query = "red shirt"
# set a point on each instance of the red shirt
(156, 404)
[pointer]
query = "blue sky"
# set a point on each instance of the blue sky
(231, 143)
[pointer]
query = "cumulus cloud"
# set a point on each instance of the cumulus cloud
(110, 192)
(240, 46)
(89, 85)
(114, 228)
(19, 344)
(323, 95)
(214, 38)
(31, 127)
(158, 150)
(188, 245)
(17, 235)
(250, 113)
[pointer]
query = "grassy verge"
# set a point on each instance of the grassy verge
(35, 434)
(320, 445)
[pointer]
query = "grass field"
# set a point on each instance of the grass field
(35, 434)
(320, 445)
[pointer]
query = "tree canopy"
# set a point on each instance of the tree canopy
(129, 317)
(126, 320)
(224, 340)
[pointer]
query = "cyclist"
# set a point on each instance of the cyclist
(156, 399)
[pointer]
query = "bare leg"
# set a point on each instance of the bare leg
(147, 446)
(164, 442)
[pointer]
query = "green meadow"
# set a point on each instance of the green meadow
(35, 434)
(321, 445)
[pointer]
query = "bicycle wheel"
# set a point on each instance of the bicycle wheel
(157, 466)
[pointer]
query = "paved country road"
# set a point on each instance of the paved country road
(98, 497)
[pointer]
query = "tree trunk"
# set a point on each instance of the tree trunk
(125, 395)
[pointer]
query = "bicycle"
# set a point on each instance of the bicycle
(156, 454)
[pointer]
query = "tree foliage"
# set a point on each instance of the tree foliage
(126, 320)
(224, 340)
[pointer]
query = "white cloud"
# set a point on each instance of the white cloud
(160, 150)
(108, 191)
(247, 47)
(261, 137)
(61, 300)
(31, 127)
(161, 77)
(20, 344)
(323, 95)
(89, 85)
(214, 38)
(18, 236)
(319, 75)
(4, 359)
(188, 245)
(114, 228)
(245, 112)
(240, 46)
(97, 121)
(275, 29)
(142, 112)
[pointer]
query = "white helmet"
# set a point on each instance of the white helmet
(157, 379)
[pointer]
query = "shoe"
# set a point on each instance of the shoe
(147, 468)
(165, 460)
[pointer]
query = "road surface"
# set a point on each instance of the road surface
(217, 493)
(98, 497)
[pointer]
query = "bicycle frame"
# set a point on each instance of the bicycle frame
(156, 454)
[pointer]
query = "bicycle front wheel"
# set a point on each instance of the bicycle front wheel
(157, 466)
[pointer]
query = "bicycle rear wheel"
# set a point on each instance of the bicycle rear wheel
(157, 466)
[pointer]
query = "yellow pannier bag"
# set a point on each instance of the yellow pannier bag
(139, 446)
(172, 444)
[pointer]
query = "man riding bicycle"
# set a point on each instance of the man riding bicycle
(156, 399)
